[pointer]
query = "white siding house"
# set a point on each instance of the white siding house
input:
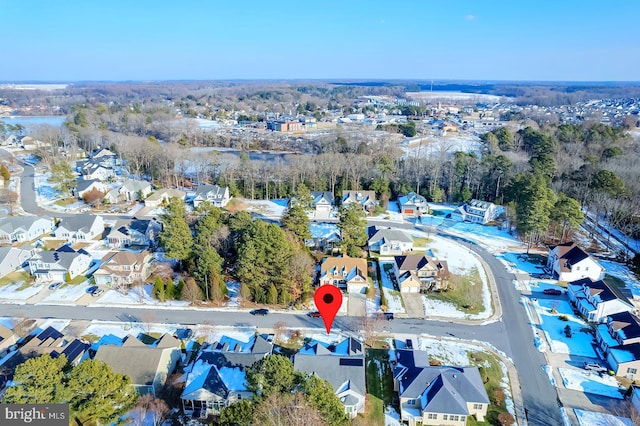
(570, 263)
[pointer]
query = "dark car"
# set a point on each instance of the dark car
(314, 314)
(552, 291)
(92, 289)
(97, 292)
(262, 312)
(385, 316)
(53, 286)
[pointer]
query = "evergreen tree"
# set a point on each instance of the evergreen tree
(170, 289)
(175, 237)
(322, 397)
(568, 213)
(158, 288)
(296, 221)
(272, 374)
(273, 295)
(40, 380)
(237, 414)
(353, 228)
(533, 208)
(63, 177)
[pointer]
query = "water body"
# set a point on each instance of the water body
(30, 122)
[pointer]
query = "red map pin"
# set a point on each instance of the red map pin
(328, 300)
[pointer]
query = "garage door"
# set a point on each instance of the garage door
(408, 211)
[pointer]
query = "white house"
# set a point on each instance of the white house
(162, 196)
(596, 300)
(133, 232)
(322, 204)
(79, 228)
(12, 258)
(132, 190)
(387, 241)
(477, 211)
(570, 263)
(63, 264)
(214, 194)
(24, 228)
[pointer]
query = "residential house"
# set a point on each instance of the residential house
(95, 170)
(619, 339)
(365, 199)
(134, 232)
(323, 204)
(437, 395)
(12, 258)
(218, 377)
(24, 228)
(388, 241)
(48, 341)
(63, 264)
(83, 227)
(7, 340)
(343, 366)
(123, 268)
(85, 186)
(416, 272)
(347, 273)
(162, 196)
(477, 211)
(570, 263)
(214, 194)
(596, 300)
(147, 365)
(134, 190)
(413, 204)
(104, 157)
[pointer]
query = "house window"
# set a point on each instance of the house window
(411, 402)
(445, 417)
(577, 268)
(454, 418)
(462, 418)
(432, 416)
(477, 406)
(632, 370)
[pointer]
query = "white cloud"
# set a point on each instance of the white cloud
(470, 17)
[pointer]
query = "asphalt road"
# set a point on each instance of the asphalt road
(512, 336)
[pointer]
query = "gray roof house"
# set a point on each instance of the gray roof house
(162, 196)
(437, 395)
(217, 378)
(24, 228)
(343, 367)
(147, 365)
(477, 211)
(133, 232)
(413, 204)
(63, 264)
(214, 194)
(132, 190)
(365, 199)
(12, 258)
(84, 186)
(79, 228)
(387, 241)
(597, 300)
(322, 204)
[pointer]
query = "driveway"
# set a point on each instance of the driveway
(413, 305)
(356, 305)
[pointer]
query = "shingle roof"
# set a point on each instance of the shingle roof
(81, 222)
(377, 233)
(602, 290)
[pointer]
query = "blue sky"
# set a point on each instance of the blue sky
(575, 40)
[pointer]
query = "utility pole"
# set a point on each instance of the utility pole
(206, 287)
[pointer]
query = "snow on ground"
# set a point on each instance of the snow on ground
(538, 342)
(133, 327)
(433, 145)
(323, 230)
(549, 370)
(66, 293)
(494, 238)
(215, 334)
(394, 299)
(58, 324)
(138, 296)
(591, 418)
(622, 272)
(266, 208)
(391, 417)
(585, 381)
(392, 213)
(233, 291)
(334, 337)
(11, 293)
(447, 352)
(8, 322)
(461, 261)
(553, 328)
(539, 286)
(519, 263)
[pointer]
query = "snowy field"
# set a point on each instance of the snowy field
(66, 293)
(273, 209)
(133, 327)
(519, 263)
(433, 145)
(139, 296)
(233, 291)
(553, 327)
(493, 238)
(591, 418)
(584, 381)
(12, 294)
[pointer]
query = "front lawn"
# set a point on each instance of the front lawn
(16, 277)
(465, 292)
(492, 376)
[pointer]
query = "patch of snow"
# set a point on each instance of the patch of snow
(622, 272)
(233, 291)
(553, 327)
(11, 293)
(549, 370)
(266, 208)
(391, 417)
(585, 381)
(394, 298)
(590, 418)
(66, 293)
(134, 327)
(139, 296)
(495, 239)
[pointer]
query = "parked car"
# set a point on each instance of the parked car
(261, 311)
(92, 289)
(97, 292)
(552, 291)
(314, 314)
(594, 366)
(385, 316)
(53, 286)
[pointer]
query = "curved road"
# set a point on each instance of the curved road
(512, 335)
